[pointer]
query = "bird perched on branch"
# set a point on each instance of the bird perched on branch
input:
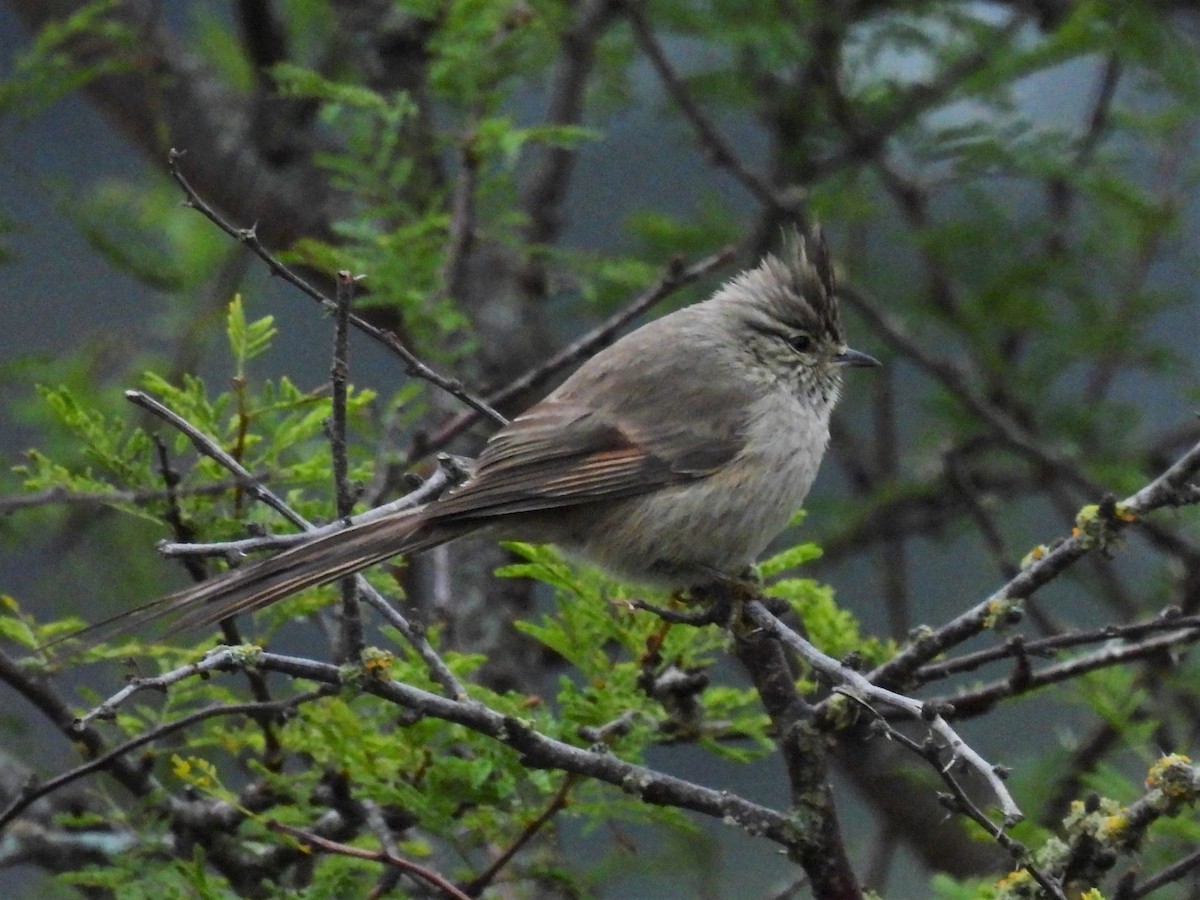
(673, 457)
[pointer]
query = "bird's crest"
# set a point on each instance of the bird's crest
(798, 284)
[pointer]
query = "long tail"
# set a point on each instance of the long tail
(255, 585)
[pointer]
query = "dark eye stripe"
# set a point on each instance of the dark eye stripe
(789, 338)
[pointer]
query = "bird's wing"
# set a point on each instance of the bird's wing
(560, 453)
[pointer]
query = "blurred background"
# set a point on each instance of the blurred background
(1010, 195)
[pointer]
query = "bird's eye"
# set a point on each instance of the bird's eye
(801, 343)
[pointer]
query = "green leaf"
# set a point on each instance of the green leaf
(13, 624)
(47, 71)
(247, 340)
(791, 558)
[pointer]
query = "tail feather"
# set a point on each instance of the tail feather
(255, 585)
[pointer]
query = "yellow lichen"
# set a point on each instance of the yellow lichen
(1034, 555)
(377, 662)
(1124, 513)
(1015, 879)
(1174, 776)
(1112, 828)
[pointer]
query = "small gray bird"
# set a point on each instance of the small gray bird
(672, 458)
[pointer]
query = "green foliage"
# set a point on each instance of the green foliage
(663, 236)
(112, 453)
(373, 165)
(393, 239)
(220, 47)
(946, 888)
(833, 630)
(247, 340)
(135, 875)
(1015, 243)
(614, 651)
(269, 425)
(16, 626)
(1113, 695)
(144, 232)
(483, 46)
(47, 71)
(385, 160)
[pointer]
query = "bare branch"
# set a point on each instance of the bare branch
(387, 857)
(350, 640)
(108, 759)
(975, 701)
(852, 682)
(719, 151)
(450, 471)
(540, 751)
(412, 364)
(61, 496)
(822, 850)
(47, 701)
(210, 448)
(1172, 488)
(558, 802)
(1017, 646)
(1177, 871)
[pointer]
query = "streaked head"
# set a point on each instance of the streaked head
(788, 307)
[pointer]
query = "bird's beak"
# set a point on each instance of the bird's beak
(850, 357)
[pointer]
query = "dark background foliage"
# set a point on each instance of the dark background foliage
(1009, 191)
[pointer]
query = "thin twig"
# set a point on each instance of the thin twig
(412, 363)
(1172, 488)
(852, 681)
(451, 470)
(978, 700)
(61, 496)
(1174, 872)
(339, 376)
(257, 710)
(213, 660)
(272, 751)
(350, 637)
(540, 751)
(377, 823)
(823, 854)
(38, 691)
(414, 635)
(720, 152)
(556, 804)
(960, 801)
(1048, 646)
(1013, 433)
(380, 856)
(210, 448)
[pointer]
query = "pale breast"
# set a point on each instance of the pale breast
(677, 534)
